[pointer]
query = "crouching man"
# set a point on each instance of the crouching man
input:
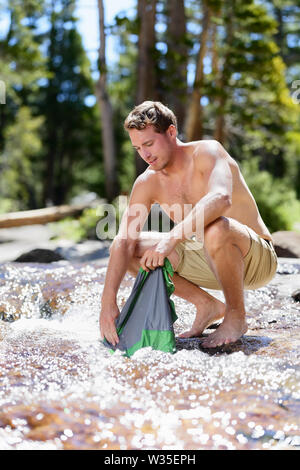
(235, 251)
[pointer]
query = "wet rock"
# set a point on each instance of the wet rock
(62, 389)
(46, 310)
(287, 244)
(285, 268)
(88, 250)
(39, 255)
(296, 295)
(7, 317)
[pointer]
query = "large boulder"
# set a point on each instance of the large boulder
(287, 244)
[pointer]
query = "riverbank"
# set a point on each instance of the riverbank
(17, 241)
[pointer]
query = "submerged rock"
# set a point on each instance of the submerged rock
(62, 389)
(6, 317)
(46, 310)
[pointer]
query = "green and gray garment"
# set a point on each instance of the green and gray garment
(148, 315)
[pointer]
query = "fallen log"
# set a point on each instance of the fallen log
(40, 216)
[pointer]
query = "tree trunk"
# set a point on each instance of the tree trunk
(279, 36)
(146, 63)
(48, 185)
(40, 216)
(220, 127)
(214, 48)
(177, 59)
(52, 140)
(106, 112)
(194, 124)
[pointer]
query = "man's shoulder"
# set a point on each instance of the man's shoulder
(207, 152)
(147, 178)
(207, 147)
(146, 183)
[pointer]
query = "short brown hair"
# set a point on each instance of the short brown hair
(150, 113)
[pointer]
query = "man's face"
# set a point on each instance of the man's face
(153, 148)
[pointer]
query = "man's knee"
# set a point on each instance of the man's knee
(129, 246)
(217, 233)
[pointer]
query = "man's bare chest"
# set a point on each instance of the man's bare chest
(179, 197)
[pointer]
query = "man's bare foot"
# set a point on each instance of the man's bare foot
(205, 316)
(230, 330)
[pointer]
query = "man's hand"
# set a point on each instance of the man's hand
(154, 257)
(108, 315)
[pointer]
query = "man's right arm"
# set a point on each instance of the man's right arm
(121, 253)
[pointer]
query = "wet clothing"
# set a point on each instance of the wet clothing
(148, 315)
(260, 263)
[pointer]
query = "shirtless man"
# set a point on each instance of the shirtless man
(237, 253)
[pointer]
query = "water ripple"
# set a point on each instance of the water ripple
(60, 388)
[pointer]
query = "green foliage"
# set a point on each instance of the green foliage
(71, 139)
(84, 227)
(256, 94)
(275, 199)
(48, 73)
(77, 229)
(293, 159)
(50, 137)
(22, 144)
(21, 61)
(68, 228)
(88, 222)
(8, 205)
(122, 88)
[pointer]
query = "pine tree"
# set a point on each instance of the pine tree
(146, 78)
(176, 59)
(22, 145)
(21, 67)
(249, 108)
(106, 111)
(69, 121)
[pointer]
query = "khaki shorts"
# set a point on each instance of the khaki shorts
(260, 263)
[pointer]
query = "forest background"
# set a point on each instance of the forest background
(229, 69)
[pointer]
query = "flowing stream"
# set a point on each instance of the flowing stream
(60, 388)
